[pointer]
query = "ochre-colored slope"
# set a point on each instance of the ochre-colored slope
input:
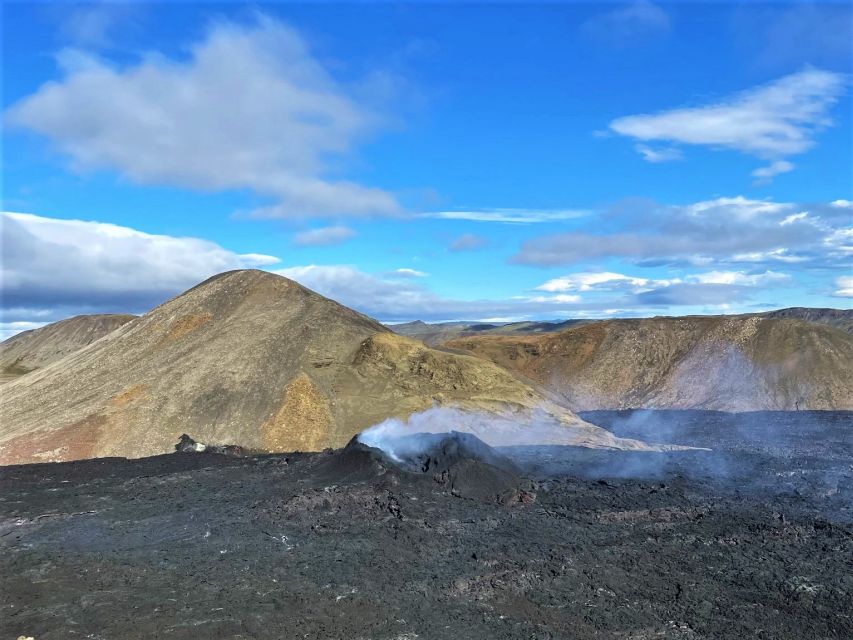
(732, 363)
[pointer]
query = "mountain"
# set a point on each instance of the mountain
(253, 359)
(838, 318)
(30, 350)
(727, 363)
(441, 332)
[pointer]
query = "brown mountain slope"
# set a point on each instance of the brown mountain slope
(441, 332)
(729, 363)
(249, 358)
(34, 349)
(837, 318)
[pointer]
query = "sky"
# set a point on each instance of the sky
(433, 161)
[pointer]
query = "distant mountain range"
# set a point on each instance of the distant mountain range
(440, 332)
(255, 359)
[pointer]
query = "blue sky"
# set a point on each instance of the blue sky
(432, 161)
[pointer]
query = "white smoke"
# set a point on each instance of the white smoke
(397, 437)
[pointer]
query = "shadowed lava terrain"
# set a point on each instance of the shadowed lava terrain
(454, 542)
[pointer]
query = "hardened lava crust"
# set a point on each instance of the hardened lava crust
(740, 542)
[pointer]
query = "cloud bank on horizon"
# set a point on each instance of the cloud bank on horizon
(394, 174)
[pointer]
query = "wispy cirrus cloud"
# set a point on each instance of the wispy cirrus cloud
(627, 24)
(771, 122)
(467, 242)
(251, 108)
(778, 34)
(509, 216)
(407, 273)
(324, 236)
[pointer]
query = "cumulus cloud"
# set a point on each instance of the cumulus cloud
(396, 300)
(706, 233)
(845, 287)
(55, 267)
(324, 236)
(250, 108)
(771, 122)
(393, 299)
(468, 242)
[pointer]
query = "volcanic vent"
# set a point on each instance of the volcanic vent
(457, 462)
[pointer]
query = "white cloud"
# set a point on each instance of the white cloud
(408, 273)
(323, 236)
(509, 216)
(764, 175)
(589, 281)
(666, 154)
(777, 255)
(50, 263)
(250, 108)
(845, 287)
(741, 278)
(841, 204)
(737, 208)
(771, 122)
(560, 298)
(394, 299)
(726, 230)
(794, 217)
(605, 281)
(840, 242)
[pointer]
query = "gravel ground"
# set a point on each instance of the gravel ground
(344, 545)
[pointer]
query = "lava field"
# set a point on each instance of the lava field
(753, 539)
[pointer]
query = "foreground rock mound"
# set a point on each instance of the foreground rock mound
(458, 462)
(30, 350)
(188, 445)
(249, 358)
(726, 363)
